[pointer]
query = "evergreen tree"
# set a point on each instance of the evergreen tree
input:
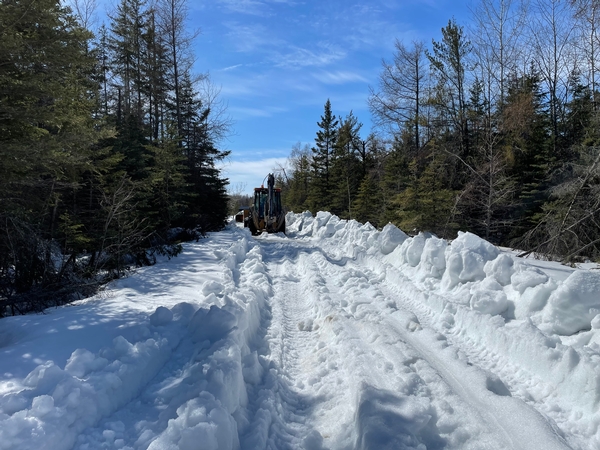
(295, 193)
(207, 206)
(368, 204)
(427, 204)
(321, 187)
(46, 128)
(527, 131)
(345, 167)
(449, 65)
(126, 45)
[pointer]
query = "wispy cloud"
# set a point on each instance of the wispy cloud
(254, 7)
(249, 38)
(303, 57)
(240, 112)
(226, 69)
(251, 7)
(339, 77)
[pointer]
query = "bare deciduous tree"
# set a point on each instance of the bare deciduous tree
(552, 31)
(497, 38)
(402, 90)
(587, 15)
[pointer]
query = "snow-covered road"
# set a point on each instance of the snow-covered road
(336, 336)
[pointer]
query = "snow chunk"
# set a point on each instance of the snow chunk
(82, 362)
(574, 304)
(412, 249)
(390, 238)
(501, 269)
(527, 276)
(534, 299)
(489, 301)
(433, 258)
(44, 377)
(212, 324)
(162, 316)
(466, 259)
(201, 422)
(212, 287)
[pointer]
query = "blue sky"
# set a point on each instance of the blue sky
(278, 61)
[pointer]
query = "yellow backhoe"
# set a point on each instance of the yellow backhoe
(266, 213)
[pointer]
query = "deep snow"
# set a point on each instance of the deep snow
(336, 336)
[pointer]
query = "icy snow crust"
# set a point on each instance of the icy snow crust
(336, 336)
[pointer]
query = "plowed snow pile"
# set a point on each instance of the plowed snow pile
(336, 336)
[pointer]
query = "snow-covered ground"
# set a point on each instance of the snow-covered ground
(336, 336)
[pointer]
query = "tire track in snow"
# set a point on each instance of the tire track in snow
(416, 395)
(484, 395)
(518, 380)
(277, 406)
(372, 387)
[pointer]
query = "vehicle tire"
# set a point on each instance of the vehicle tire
(282, 227)
(251, 227)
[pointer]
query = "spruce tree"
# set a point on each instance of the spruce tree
(320, 196)
(449, 65)
(345, 167)
(46, 128)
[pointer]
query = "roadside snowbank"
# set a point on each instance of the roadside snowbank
(475, 272)
(493, 300)
(54, 405)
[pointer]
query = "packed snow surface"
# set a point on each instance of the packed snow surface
(336, 336)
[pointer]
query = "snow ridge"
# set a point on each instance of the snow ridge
(491, 302)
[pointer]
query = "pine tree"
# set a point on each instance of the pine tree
(47, 126)
(345, 167)
(207, 204)
(321, 187)
(427, 203)
(449, 65)
(527, 135)
(126, 44)
(295, 194)
(368, 204)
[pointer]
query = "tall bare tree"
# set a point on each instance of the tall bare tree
(179, 39)
(587, 15)
(402, 91)
(552, 31)
(497, 37)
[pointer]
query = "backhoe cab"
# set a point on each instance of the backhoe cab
(266, 213)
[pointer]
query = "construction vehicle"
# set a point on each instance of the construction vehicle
(266, 213)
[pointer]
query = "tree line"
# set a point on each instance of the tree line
(493, 129)
(108, 145)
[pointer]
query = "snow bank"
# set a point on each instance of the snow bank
(490, 298)
(471, 270)
(57, 403)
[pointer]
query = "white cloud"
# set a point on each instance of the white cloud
(242, 112)
(250, 174)
(248, 38)
(302, 57)
(339, 77)
(226, 69)
(251, 7)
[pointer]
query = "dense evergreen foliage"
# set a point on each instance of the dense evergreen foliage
(107, 145)
(475, 134)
